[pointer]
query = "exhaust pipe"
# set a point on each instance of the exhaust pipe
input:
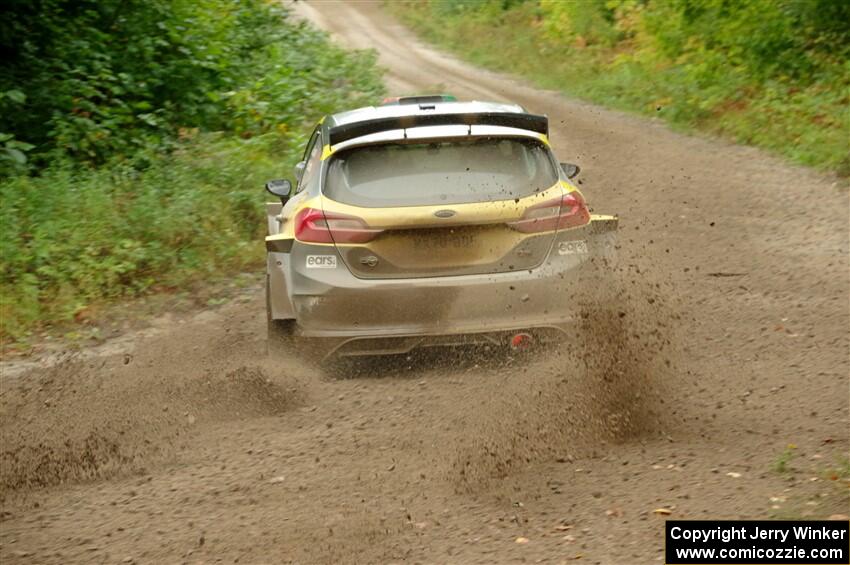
(521, 342)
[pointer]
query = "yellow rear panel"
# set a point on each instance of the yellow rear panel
(416, 242)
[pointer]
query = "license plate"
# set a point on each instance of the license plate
(444, 240)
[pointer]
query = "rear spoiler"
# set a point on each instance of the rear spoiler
(531, 122)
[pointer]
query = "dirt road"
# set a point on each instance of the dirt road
(714, 386)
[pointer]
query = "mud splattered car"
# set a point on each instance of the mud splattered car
(426, 221)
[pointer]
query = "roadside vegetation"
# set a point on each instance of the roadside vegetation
(770, 73)
(135, 138)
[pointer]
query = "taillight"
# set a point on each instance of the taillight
(568, 211)
(316, 226)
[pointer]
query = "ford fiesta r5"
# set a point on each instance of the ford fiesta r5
(423, 222)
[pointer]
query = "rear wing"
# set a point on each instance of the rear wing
(531, 122)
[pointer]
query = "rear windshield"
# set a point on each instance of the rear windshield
(444, 172)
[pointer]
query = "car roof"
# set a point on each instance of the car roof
(429, 108)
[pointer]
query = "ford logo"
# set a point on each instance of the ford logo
(445, 213)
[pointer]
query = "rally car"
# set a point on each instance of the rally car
(423, 222)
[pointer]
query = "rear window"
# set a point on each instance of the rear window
(444, 172)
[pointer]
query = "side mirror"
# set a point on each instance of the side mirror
(280, 188)
(570, 170)
(298, 170)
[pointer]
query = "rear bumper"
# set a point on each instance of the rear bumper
(395, 344)
(330, 302)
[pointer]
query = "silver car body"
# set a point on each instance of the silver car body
(317, 288)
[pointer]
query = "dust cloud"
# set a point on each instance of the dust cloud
(87, 419)
(611, 382)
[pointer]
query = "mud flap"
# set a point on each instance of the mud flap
(602, 241)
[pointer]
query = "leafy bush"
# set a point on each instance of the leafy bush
(588, 22)
(70, 237)
(772, 73)
(147, 128)
(105, 78)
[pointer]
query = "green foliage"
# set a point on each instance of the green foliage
(588, 22)
(104, 78)
(70, 237)
(13, 158)
(783, 460)
(765, 37)
(772, 73)
(139, 136)
(840, 471)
